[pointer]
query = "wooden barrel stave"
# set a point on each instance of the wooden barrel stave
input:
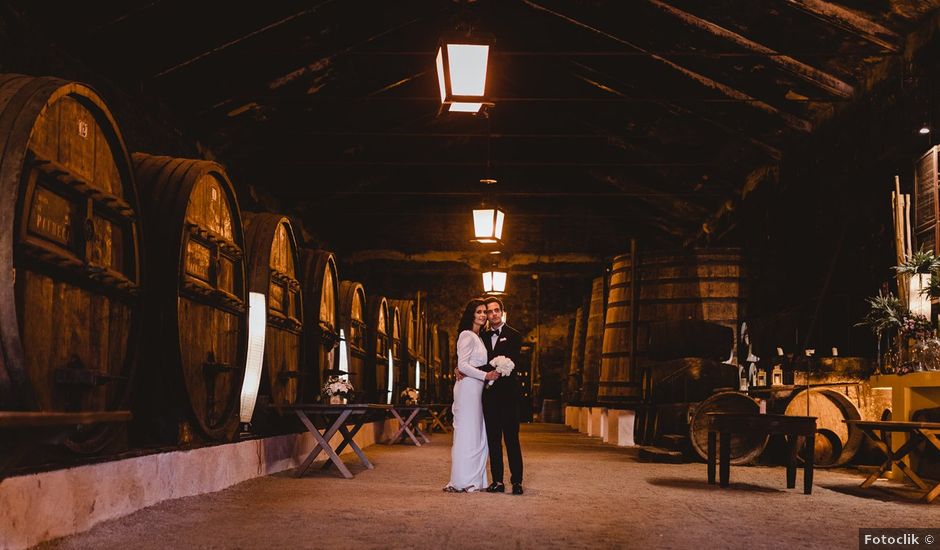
(71, 248)
(197, 244)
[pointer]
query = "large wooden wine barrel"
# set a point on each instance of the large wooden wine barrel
(573, 382)
(321, 312)
(618, 380)
(272, 271)
(744, 448)
(352, 323)
(421, 330)
(702, 285)
(397, 347)
(447, 367)
(593, 342)
(379, 330)
(836, 442)
(198, 322)
(409, 355)
(434, 364)
(70, 312)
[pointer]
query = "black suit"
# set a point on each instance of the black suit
(501, 407)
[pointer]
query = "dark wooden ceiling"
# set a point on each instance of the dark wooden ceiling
(613, 118)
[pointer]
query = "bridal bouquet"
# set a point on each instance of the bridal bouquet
(503, 366)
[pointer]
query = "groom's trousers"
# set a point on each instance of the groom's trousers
(501, 414)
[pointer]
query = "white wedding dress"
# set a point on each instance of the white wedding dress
(469, 453)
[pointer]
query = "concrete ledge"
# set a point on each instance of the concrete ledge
(48, 505)
(595, 427)
(571, 416)
(584, 419)
(620, 424)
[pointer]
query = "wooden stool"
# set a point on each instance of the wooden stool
(795, 427)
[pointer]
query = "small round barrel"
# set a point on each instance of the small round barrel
(409, 354)
(744, 448)
(321, 312)
(837, 442)
(593, 342)
(199, 322)
(551, 411)
(352, 323)
(379, 330)
(272, 271)
(70, 312)
(573, 382)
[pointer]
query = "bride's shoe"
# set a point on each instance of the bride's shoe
(496, 487)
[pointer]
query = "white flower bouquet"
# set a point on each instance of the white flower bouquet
(503, 366)
(337, 387)
(410, 396)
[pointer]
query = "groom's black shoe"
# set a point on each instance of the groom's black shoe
(517, 488)
(496, 487)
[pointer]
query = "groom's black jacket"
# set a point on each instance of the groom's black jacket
(508, 344)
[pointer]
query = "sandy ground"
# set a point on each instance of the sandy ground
(580, 493)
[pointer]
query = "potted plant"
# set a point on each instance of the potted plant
(337, 391)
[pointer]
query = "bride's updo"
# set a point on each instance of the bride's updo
(466, 321)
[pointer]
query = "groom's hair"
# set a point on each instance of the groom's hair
(493, 299)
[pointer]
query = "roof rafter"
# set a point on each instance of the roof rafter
(790, 120)
(849, 21)
(805, 72)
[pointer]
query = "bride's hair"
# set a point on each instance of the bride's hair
(466, 321)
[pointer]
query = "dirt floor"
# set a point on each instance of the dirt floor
(580, 493)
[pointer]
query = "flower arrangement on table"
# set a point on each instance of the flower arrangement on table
(912, 341)
(337, 390)
(503, 366)
(409, 396)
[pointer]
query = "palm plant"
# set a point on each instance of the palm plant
(886, 312)
(920, 262)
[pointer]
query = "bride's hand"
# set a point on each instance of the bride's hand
(492, 375)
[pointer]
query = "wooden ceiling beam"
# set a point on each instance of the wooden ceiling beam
(792, 121)
(849, 21)
(807, 73)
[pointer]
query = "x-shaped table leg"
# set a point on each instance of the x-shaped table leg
(421, 433)
(894, 457)
(323, 443)
(931, 436)
(436, 420)
(348, 440)
(404, 427)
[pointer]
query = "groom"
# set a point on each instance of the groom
(501, 401)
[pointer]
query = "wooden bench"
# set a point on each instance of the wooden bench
(23, 431)
(722, 425)
(879, 433)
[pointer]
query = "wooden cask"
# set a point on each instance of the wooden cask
(272, 271)
(447, 367)
(321, 312)
(593, 342)
(836, 442)
(397, 347)
(578, 337)
(198, 322)
(70, 308)
(409, 355)
(352, 322)
(434, 364)
(702, 285)
(744, 448)
(379, 329)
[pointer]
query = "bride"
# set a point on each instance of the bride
(470, 451)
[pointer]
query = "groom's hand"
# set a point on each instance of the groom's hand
(460, 376)
(492, 375)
